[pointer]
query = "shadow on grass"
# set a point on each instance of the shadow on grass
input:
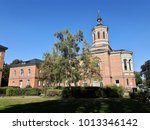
(81, 105)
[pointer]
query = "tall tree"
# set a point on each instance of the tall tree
(145, 70)
(5, 74)
(68, 48)
(68, 63)
(90, 66)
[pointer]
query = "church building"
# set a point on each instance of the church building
(116, 65)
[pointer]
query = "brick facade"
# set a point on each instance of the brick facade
(116, 65)
(25, 74)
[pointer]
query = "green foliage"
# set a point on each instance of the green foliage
(138, 78)
(3, 90)
(16, 61)
(145, 70)
(5, 74)
(53, 92)
(82, 92)
(22, 92)
(68, 63)
(92, 92)
(113, 91)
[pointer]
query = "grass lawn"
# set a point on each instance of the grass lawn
(57, 105)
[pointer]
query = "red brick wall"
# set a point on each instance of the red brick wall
(33, 77)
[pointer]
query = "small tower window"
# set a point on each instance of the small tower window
(98, 35)
(103, 35)
(130, 65)
(125, 64)
(94, 36)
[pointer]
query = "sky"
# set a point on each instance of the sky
(27, 27)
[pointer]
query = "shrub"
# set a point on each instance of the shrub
(53, 92)
(32, 91)
(113, 91)
(92, 92)
(66, 92)
(82, 92)
(3, 90)
(23, 92)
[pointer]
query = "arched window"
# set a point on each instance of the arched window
(130, 68)
(103, 35)
(128, 82)
(94, 36)
(125, 64)
(98, 35)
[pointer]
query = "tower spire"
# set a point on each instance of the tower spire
(99, 20)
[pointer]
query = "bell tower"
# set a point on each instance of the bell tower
(100, 39)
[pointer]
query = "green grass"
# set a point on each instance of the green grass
(56, 105)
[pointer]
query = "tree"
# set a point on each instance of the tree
(51, 69)
(145, 70)
(69, 63)
(138, 78)
(90, 68)
(5, 74)
(68, 49)
(16, 61)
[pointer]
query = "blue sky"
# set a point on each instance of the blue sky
(27, 27)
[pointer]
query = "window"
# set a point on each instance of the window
(130, 65)
(103, 35)
(21, 84)
(14, 73)
(94, 36)
(28, 82)
(117, 82)
(29, 72)
(98, 35)
(21, 72)
(128, 82)
(39, 83)
(125, 64)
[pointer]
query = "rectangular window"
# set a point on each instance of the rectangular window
(29, 72)
(39, 83)
(21, 72)
(14, 73)
(28, 82)
(117, 82)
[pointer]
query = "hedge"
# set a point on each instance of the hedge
(92, 92)
(66, 92)
(53, 92)
(23, 92)
(3, 90)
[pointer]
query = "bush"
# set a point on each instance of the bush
(23, 92)
(82, 92)
(92, 92)
(54, 92)
(3, 90)
(113, 91)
